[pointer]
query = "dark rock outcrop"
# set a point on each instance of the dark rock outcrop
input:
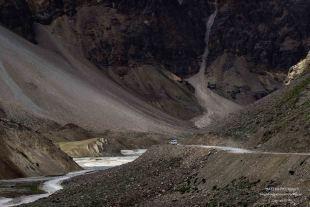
(121, 32)
(45, 12)
(2, 113)
(272, 34)
(16, 16)
(275, 34)
(278, 122)
(252, 43)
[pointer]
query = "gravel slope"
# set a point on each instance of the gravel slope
(279, 122)
(188, 176)
(72, 91)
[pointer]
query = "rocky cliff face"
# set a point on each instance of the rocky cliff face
(46, 11)
(252, 43)
(119, 32)
(270, 33)
(16, 16)
(278, 122)
(24, 152)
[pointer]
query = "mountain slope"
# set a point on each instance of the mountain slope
(183, 176)
(126, 38)
(148, 80)
(24, 153)
(49, 86)
(278, 122)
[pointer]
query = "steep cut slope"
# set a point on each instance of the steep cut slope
(72, 91)
(24, 152)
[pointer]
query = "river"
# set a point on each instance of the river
(43, 187)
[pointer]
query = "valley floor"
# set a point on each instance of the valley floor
(194, 176)
(19, 191)
(52, 92)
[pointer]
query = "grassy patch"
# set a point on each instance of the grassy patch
(19, 189)
(184, 188)
(292, 96)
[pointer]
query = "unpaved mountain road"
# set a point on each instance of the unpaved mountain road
(53, 185)
(237, 150)
(193, 175)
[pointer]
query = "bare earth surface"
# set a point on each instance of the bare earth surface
(193, 176)
(47, 85)
(24, 152)
(102, 65)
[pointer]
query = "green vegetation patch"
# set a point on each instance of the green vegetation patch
(292, 96)
(12, 190)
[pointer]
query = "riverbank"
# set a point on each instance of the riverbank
(191, 175)
(27, 190)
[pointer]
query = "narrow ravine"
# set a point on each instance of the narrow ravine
(213, 104)
(50, 185)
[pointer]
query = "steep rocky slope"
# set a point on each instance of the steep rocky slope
(278, 122)
(159, 87)
(25, 152)
(16, 16)
(63, 90)
(252, 43)
(196, 176)
(246, 61)
(104, 65)
(149, 80)
(46, 11)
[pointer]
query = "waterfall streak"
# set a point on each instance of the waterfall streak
(214, 105)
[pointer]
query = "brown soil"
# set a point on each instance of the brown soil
(188, 176)
(278, 122)
(77, 92)
(25, 152)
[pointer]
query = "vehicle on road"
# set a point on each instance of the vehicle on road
(173, 141)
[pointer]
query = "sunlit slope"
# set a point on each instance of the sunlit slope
(71, 91)
(24, 152)
(279, 122)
